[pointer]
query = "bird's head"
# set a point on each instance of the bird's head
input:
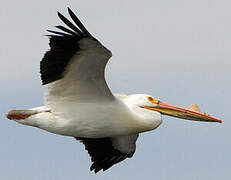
(152, 104)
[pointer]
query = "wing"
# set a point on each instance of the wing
(74, 66)
(105, 152)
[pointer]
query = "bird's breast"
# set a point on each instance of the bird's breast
(95, 119)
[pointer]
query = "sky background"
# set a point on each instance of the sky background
(176, 50)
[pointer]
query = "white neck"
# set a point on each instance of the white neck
(146, 120)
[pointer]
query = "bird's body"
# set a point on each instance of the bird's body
(80, 104)
(103, 118)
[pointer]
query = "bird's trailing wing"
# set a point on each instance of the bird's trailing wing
(74, 66)
(105, 152)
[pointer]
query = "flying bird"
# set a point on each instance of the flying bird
(80, 104)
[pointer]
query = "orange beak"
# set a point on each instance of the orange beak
(182, 113)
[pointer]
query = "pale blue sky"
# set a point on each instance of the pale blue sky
(176, 50)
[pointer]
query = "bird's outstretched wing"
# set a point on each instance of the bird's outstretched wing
(74, 66)
(105, 152)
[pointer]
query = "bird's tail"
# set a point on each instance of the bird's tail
(20, 114)
(24, 114)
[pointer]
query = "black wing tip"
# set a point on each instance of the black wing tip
(76, 29)
(95, 169)
(69, 10)
(103, 154)
(98, 166)
(79, 23)
(59, 14)
(63, 45)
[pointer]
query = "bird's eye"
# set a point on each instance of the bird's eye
(152, 100)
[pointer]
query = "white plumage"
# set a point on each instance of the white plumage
(80, 104)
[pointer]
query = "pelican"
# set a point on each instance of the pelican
(80, 104)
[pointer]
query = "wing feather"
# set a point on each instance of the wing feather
(66, 30)
(69, 24)
(59, 33)
(78, 22)
(106, 152)
(75, 64)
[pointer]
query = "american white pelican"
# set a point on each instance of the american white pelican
(80, 104)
